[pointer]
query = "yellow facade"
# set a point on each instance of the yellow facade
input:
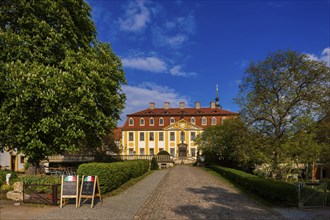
(157, 144)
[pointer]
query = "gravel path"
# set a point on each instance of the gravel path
(182, 192)
(191, 193)
(122, 206)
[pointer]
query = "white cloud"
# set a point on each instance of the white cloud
(324, 57)
(174, 32)
(176, 71)
(138, 98)
(150, 64)
(136, 17)
(175, 41)
(155, 65)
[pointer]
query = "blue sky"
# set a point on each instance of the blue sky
(179, 50)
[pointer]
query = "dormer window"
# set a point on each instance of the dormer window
(142, 121)
(131, 122)
(161, 121)
(151, 122)
(214, 121)
(192, 120)
(172, 120)
(204, 122)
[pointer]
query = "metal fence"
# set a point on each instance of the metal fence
(146, 157)
(313, 194)
(42, 193)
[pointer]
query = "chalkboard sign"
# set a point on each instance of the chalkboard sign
(69, 188)
(70, 185)
(88, 185)
(90, 189)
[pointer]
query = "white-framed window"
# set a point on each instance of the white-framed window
(214, 121)
(204, 121)
(192, 120)
(151, 121)
(161, 121)
(22, 159)
(172, 120)
(151, 136)
(152, 151)
(172, 151)
(141, 136)
(223, 120)
(130, 136)
(193, 152)
(142, 151)
(131, 122)
(172, 136)
(142, 121)
(192, 136)
(161, 136)
(131, 151)
(182, 135)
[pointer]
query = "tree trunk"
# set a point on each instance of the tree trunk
(34, 168)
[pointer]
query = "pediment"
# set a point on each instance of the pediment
(183, 125)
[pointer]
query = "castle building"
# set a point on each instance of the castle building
(171, 129)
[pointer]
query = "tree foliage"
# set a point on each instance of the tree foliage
(232, 144)
(60, 87)
(281, 97)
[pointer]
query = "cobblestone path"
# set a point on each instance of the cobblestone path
(191, 193)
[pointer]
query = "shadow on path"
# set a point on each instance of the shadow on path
(219, 203)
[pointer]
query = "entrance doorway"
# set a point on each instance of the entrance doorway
(182, 151)
(13, 162)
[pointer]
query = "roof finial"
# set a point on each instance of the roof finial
(217, 105)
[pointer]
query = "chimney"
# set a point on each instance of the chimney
(152, 105)
(166, 105)
(198, 105)
(181, 105)
(212, 104)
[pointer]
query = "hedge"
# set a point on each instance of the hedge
(113, 175)
(275, 192)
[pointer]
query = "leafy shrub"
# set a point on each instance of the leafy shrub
(6, 188)
(41, 180)
(113, 175)
(154, 164)
(12, 179)
(276, 192)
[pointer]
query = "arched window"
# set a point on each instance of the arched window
(151, 121)
(142, 121)
(204, 122)
(192, 120)
(214, 121)
(161, 121)
(131, 122)
(172, 120)
(223, 120)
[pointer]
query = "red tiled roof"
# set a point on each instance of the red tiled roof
(178, 111)
(177, 114)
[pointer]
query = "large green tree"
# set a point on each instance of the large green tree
(278, 95)
(232, 144)
(60, 87)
